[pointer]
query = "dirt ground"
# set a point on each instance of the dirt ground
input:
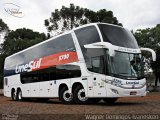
(125, 108)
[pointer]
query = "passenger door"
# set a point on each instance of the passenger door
(98, 67)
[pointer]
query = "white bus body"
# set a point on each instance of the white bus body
(92, 61)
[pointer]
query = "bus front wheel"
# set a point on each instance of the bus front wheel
(65, 96)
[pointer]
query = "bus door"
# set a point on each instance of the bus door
(98, 85)
(98, 68)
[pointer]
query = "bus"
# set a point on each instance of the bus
(89, 63)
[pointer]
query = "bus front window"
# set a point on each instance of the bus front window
(127, 65)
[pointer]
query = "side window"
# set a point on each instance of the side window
(73, 71)
(56, 45)
(30, 77)
(67, 71)
(53, 73)
(98, 64)
(95, 59)
(87, 35)
(61, 73)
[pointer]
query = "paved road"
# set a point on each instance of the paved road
(54, 110)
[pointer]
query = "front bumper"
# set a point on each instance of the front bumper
(114, 91)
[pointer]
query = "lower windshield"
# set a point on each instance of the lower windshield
(127, 65)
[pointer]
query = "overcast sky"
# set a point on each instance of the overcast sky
(133, 14)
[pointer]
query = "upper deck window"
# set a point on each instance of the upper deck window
(118, 36)
(59, 44)
(87, 35)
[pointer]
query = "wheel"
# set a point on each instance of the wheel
(65, 96)
(110, 100)
(13, 95)
(79, 95)
(94, 100)
(19, 95)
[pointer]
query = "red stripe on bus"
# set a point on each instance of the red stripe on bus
(57, 59)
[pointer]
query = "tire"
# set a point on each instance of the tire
(110, 101)
(65, 96)
(94, 100)
(79, 95)
(13, 95)
(19, 95)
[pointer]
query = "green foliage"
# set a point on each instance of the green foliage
(16, 41)
(20, 39)
(3, 26)
(150, 38)
(74, 16)
(3, 31)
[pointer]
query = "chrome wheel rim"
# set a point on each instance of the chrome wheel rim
(67, 96)
(81, 95)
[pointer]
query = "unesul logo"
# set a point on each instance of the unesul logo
(13, 10)
(32, 65)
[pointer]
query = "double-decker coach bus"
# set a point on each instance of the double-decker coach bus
(89, 63)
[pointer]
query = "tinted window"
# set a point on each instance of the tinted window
(118, 36)
(67, 71)
(95, 59)
(53, 73)
(87, 35)
(98, 64)
(60, 44)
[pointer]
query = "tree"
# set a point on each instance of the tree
(20, 39)
(16, 41)
(150, 38)
(3, 26)
(74, 16)
(3, 31)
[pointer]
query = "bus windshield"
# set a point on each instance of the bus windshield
(127, 65)
(118, 36)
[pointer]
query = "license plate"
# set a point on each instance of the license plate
(133, 93)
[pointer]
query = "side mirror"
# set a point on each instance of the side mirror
(151, 51)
